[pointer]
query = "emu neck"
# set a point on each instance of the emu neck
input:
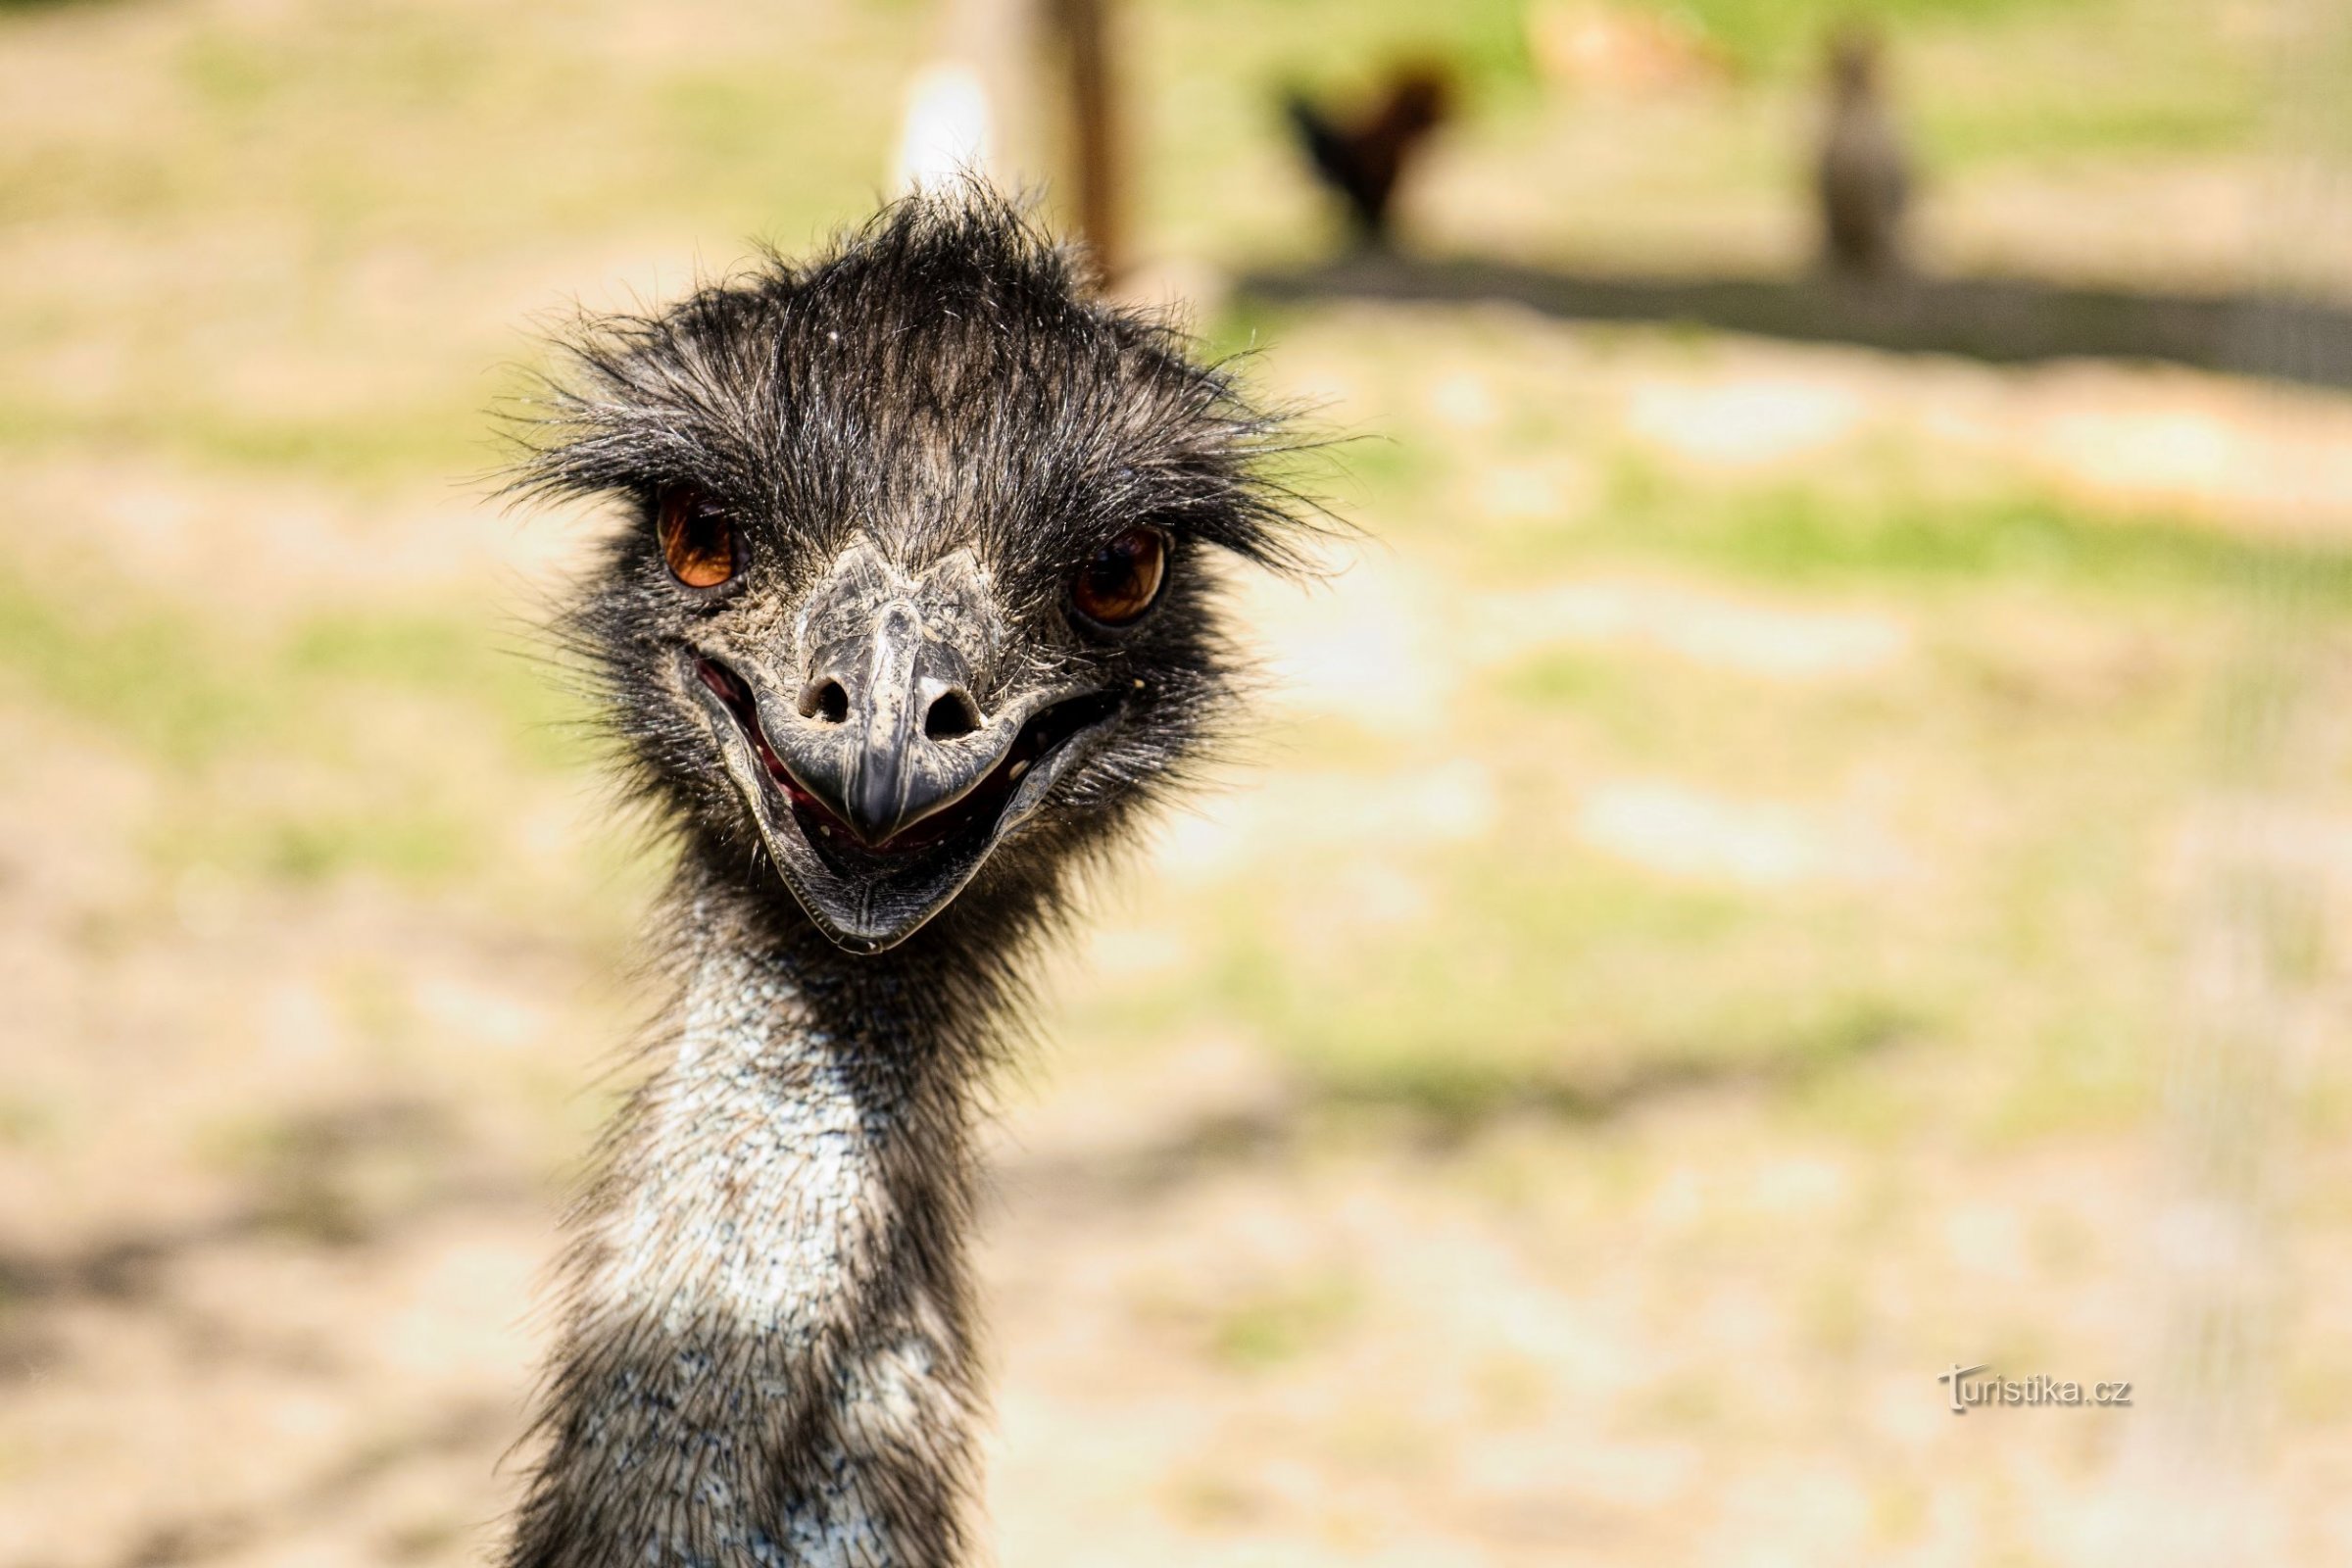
(767, 1359)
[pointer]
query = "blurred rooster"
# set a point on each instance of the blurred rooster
(1364, 157)
(1864, 174)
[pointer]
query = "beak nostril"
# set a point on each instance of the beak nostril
(825, 699)
(949, 716)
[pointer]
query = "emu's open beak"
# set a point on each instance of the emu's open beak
(879, 783)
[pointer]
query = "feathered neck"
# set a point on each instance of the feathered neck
(766, 1354)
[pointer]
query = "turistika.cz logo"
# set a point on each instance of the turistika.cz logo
(1969, 1391)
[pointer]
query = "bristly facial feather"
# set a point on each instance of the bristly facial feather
(939, 416)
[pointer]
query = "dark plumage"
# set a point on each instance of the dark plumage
(1862, 178)
(1364, 158)
(856, 637)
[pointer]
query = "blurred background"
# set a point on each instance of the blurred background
(1843, 830)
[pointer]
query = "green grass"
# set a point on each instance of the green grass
(417, 847)
(1553, 979)
(450, 658)
(23, 1122)
(144, 678)
(189, 692)
(1484, 40)
(1807, 533)
(301, 710)
(370, 446)
(2219, 113)
(1269, 1329)
(1771, 35)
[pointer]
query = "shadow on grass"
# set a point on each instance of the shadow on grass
(337, 1178)
(1439, 1106)
(2005, 321)
(328, 1492)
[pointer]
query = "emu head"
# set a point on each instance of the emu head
(913, 603)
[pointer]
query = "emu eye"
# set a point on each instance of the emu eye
(697, 540)
(1124, 578)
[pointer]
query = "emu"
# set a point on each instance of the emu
(910, 615)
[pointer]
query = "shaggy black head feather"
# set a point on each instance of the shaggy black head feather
(943, 404)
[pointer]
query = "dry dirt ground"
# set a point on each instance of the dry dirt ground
(1772, 873)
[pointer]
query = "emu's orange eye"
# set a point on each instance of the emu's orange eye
(1124, 578)
(697, 540)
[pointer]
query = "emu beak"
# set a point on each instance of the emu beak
(886, 706)
(878, 781)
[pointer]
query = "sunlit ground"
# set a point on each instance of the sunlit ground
(1735, 906)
